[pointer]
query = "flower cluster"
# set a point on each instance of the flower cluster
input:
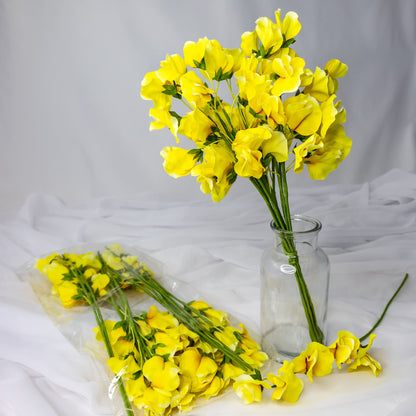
(178, 366)
(278, 108)
(164, 360)
(316, 361)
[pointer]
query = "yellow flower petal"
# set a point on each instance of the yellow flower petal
(178, 162)
(303, 114)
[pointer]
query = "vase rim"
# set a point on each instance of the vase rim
(315, 225)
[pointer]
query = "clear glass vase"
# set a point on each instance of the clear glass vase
(294, 289)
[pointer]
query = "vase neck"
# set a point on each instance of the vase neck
(303, 230)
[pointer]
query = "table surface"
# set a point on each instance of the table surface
(369, 234)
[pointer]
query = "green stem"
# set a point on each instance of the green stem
(289, 247)
(92, 300)
(386, 308)
(189, 316)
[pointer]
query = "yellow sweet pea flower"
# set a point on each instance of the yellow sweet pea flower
(246, 146)
(154, 402)
(126, 367)
(113, 334)
(212, 172)
(169, 342)
(42, 263)
(196, 126)
(100, 282)
(289, 71)
(178, 162)
(66, 291)
(336, 147)
(287, 386)
(217, 60)
(290, 26)
(152, 89)
(303, 114)
(345, 348)
(227, 337)
(316, 360)
(135, 387)
(200, 369)
(251, 145)
(249, 42)
(254, 88)
(162, 119)
(336, 69)
(238, 57)
(248, 389)
(160, 320)
(269, 35)
(194, 52)
(214, 388)
(305, 150)
(273, 108)
(194, 90)
(171, 69)
(182, 398)
(329, 113)
(55, 272)
(324, 84)
(217, 317)
(230, 372)
(365, 360)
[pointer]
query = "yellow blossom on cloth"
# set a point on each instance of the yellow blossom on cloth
(178, 162)
(287, 386)
(248, 389)
(317, 360)
(365, 360)
(345, 348)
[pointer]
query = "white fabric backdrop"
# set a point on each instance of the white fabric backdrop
(369, 233)
(72, 123)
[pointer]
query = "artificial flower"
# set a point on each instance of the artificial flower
(316, 360)
(178, 162)
(196, 126)
(287, 386)
(303, 114)
(365, 360)
(213, 171)
(344, 348)
(248, 389)
(194, 90)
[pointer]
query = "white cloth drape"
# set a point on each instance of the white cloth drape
(369, 233)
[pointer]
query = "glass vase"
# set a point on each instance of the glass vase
(294, 289)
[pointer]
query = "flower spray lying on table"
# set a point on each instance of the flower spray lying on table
(169, 359)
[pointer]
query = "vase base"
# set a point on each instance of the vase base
(285, 342)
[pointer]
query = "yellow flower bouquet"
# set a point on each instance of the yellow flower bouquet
(280, 117)
(172, 354)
